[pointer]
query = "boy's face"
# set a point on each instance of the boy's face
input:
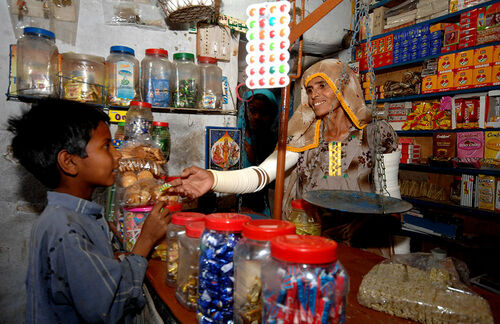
(100, 166)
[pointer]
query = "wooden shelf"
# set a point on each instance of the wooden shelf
(455, 171)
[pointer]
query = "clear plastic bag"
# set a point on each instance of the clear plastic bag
(142, 156)
(138, 13)
(145, 192)
(423, 288)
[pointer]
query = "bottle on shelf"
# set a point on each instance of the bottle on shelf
(186, 76)
(210, 83)
(156, 71)
(122, 76)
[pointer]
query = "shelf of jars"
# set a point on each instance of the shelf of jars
(447, 170)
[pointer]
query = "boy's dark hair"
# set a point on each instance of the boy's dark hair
(52, 125)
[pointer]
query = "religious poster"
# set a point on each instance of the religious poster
(223, 148)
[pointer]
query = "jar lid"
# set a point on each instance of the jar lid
(207, 59)
(121, 49)
(121, 124)
(304, 249)
(140, 104)
(232, 222)
(195, 229)
(159, 51)
(266, 229)
(168, 179)
(183, 218)
(300, 204)
(39, 31)
(174, 207)
(162, 124)
(83, 57)
(184, 56)
(143, 209)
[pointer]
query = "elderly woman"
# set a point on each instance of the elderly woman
(330, 143)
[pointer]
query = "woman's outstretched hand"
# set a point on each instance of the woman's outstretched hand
(192, 183)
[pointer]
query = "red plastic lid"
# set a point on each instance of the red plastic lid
(175, 207)
(195, 229)
(304, 249)
(300, 204)
(266, 229)
(140, 104)
(207, 59)
(172, 178)
(226, 222)
(159, 51)
(183, 218)
(162, 124)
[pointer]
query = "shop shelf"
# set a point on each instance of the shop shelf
(183, 110)
(444, 170)
(425, 133)
(436, 94)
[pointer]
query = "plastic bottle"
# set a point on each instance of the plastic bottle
(122, 76)
(156, 71)
(210, 83)
(139, 122)
(37, 63)
(186, 76)
(161, 136)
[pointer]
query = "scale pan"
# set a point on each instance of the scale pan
(356, 202)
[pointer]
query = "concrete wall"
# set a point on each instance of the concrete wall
(21, 195)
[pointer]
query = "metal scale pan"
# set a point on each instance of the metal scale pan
(356, 202)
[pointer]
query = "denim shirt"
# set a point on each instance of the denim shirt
(73, 276)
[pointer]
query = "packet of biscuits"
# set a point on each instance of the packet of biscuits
(147, 191)
(140, 156)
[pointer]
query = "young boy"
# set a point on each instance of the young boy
(73, 276)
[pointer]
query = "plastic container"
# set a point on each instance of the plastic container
(186, 81)
(189, 258)
(305, 224)
(303, 278)
(222, 233)
(133, 218)
(210, 83)
(249, 254)
(175, 229)
(37, 63)
(122, 76)
(156, 71)
(139, 121)
(160, 251)
(83, 77)
(161, 136)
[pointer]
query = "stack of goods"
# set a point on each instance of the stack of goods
(480, 191)
(397, 113)
(409, 85)
(432, 223)
(491, 150)
(468, 29)
(470, 149)
(488, 24)
(443, 149)
(457, 5)
(401, 15)
(427, 116)
(430, 9)
(381, 52)
(410, 152)
(414, 43)
(427, 292)
(467, 113)
(422, 189)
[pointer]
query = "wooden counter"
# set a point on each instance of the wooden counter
(357, 264)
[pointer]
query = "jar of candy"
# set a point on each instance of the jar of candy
(119, 136)
(37, 63)
(189, 258)
(305, 223)
(186, 76)
(160, 251)
(249, 254)
(139, 121)
(83, 77)
(133, 218)
(175, 230)
(222, 233)
(161, 136)
(122, 76)
(210, 83)
(156, 71)
(304, 280)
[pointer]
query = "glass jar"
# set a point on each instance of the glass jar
(249, 254)
(122, 76)
(305, 223)
(161, 136)
(37, 63)
(156, 71)
(189, 258)
(186, 76)
(83, 77)
(160, 251)
(304, 280)
(139, 121)
(175, 230)
(222, 233)
(210, 83)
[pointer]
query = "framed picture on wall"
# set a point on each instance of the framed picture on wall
(223, 148)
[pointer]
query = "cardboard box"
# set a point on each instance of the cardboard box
(464, 60)
(389, 43)
(469, 14)
(495, 75)
(496, 54)
(482, 76)
(446, 62)
(468, 32)
(451, 34)
(470, 144)
(444, 145)
(445, 81)
(463, 79)
(466, 45)
(469, 39)
(429, 84)
(436, 27)
(483, 56)
(492, 145)
(446, 49)
(467, 190)
(486, 191)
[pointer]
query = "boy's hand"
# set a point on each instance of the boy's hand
(193, 183)
(153, 229)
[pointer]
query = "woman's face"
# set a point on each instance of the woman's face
(321, 97)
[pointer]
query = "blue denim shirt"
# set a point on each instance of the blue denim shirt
(73, 276)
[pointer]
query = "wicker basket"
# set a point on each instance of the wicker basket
(187, 11)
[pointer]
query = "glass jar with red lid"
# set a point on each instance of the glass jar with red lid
(249, 254)
(303, 279)
(222, 233)
(302, 215)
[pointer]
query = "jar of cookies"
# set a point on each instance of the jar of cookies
(175, 230)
